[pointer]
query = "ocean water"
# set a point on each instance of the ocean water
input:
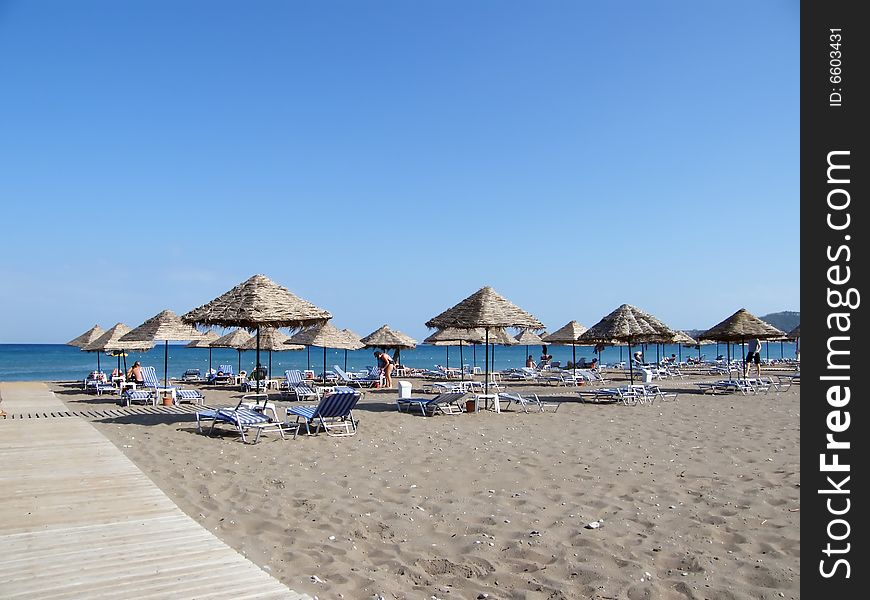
(57, 362)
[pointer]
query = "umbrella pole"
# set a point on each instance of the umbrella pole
(658, 356)
(486, 364)
(630, 364)
(209, 359)
(269, 374)
(743, 352)
(461, 363)
(767, 350)
(309, 357)
(728, 352)
(165, 363)
(345, 359)
(98, 362)
(324, 365)
(574, 354)
(240, 361)
(680, 350)
(781, 353)
(447, 366)
(257, 364)
(474, 357)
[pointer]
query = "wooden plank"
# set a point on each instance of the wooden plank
(79, 520)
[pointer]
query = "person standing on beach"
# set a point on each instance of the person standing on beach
(386, 365)
(753, 354)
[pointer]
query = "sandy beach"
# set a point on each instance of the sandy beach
(699, 497)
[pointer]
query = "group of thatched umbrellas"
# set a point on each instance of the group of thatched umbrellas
(490, 312)
(257, 304)
(261, 305)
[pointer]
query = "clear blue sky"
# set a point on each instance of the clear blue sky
(384, 160)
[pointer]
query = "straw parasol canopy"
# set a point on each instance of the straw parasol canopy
(325, 335)
(529, 338)
(234, 339)
(453, 336)
(627, 324)
(205, 341)
(389, 339)
(273, 340)
(683, 339)
(110, 341)
(740, 326)
(87, 337)
(354, 340)
(567, 334)
(485, 308)
(488, 309)
(258, 302)
(165, 326)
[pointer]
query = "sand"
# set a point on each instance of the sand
(699, 497)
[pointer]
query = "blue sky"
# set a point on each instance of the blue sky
(384, 160)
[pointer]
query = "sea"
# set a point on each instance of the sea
(58, 362)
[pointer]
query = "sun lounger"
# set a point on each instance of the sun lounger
(139, 396)
(297, 387)
(334, 414)
(446, 403)
(192, 396)
(526, 402)
(191, 375)
(242, 419)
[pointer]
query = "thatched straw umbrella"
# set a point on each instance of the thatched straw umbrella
(488, 309)
(681, 339)
(165, 326)
(389, 339)
(568, 334)
(529, 338)
(205, 342)
(110, 341)
(235, 339)
(325, 335)
(258, 302)
(271, 339)
(452, 336)
(354, 342)
(86, 338)
(627, 324)
(737, 328)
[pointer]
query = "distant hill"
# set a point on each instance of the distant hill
(785, 320)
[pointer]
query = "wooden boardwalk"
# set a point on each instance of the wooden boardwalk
(79, 520)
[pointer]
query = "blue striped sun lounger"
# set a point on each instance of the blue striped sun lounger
(334, 414)
(193, 396)
(131, 396)
(241, 419)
